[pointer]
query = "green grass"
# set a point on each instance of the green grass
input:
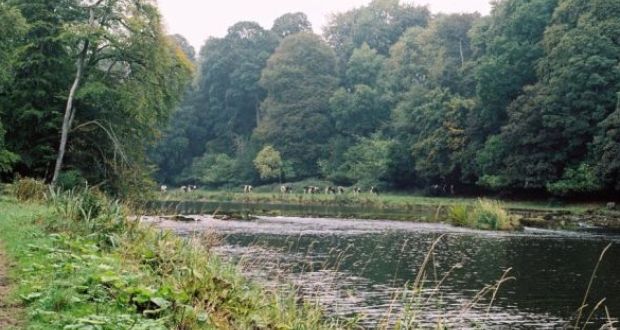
(78, 268)
(271, 194)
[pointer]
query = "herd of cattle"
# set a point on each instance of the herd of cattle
(312, 190)
(286, 189)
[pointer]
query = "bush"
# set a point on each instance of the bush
(68, 180)
(485, 214)
(28, 189)
(459, 215)
(488, 214)
(88, 211)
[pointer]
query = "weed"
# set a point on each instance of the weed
(28, 189)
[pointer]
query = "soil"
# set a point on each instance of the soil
(9, 311)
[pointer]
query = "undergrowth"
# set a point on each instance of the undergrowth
(88, 267)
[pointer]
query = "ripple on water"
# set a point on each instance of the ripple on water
(362, 267)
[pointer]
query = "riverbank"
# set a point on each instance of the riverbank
(79, 264)
(391, 206)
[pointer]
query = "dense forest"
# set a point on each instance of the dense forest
(524, 100)
(95, 78)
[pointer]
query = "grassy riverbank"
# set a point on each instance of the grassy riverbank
(79, 264)
(384, 200)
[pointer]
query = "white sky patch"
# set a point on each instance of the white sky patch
(197, 20)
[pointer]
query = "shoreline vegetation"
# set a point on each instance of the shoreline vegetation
(81, 263)
(392, 206)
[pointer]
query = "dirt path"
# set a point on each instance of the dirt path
(8, 311)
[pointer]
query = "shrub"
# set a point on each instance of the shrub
(459, 215)
(489, 214)
(28, 189)
(485, 214)
(68, 180)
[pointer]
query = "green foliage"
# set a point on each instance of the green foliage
(459, 215)
(28, 189)
(214, 169)
(71, 278)
(70, 179)
(583, 179)
(7, 158)
(379, 24)
(127, 91)
(269, 163)
(299, 79)
(368, 162)
(291, 23)
(485, 214)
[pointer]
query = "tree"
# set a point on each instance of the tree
(105, 38)
(31, 106)
(552, 127)
(184, 46)
(299, 79)
(291, 23)
(269, 163)
(13, 26)
(367, 163)
(508, 44)
(379, 25)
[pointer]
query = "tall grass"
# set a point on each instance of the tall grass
(485, 214)
(27, 189)
(151, 278)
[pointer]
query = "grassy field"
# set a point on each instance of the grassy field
(386, 200)
(77, 269)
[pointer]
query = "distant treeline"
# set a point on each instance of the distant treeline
(525, 99)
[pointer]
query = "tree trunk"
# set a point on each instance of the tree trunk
(69, 112)
(461, 51)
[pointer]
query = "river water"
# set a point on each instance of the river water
(362, 267)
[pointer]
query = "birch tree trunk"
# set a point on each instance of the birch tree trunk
(69, 112)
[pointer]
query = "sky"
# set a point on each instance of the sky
(197, 20)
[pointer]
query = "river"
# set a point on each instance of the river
(361, 268)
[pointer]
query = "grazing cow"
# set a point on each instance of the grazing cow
(308, 190)
(184, 188)
(357, 191)
(330, 190)
(341, 190)
(163, 189)
(286, 189)
(247, 189)
(374, 190)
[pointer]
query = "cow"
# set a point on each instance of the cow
(374, 190)
(356, 191)
(163, 189)
(247, 189)
(311, 189)
(184, 189)
(330, 190)
(286, 189)
(341, 190)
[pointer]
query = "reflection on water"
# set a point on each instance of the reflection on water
(357, 267)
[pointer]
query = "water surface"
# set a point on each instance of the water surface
(360, 267)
